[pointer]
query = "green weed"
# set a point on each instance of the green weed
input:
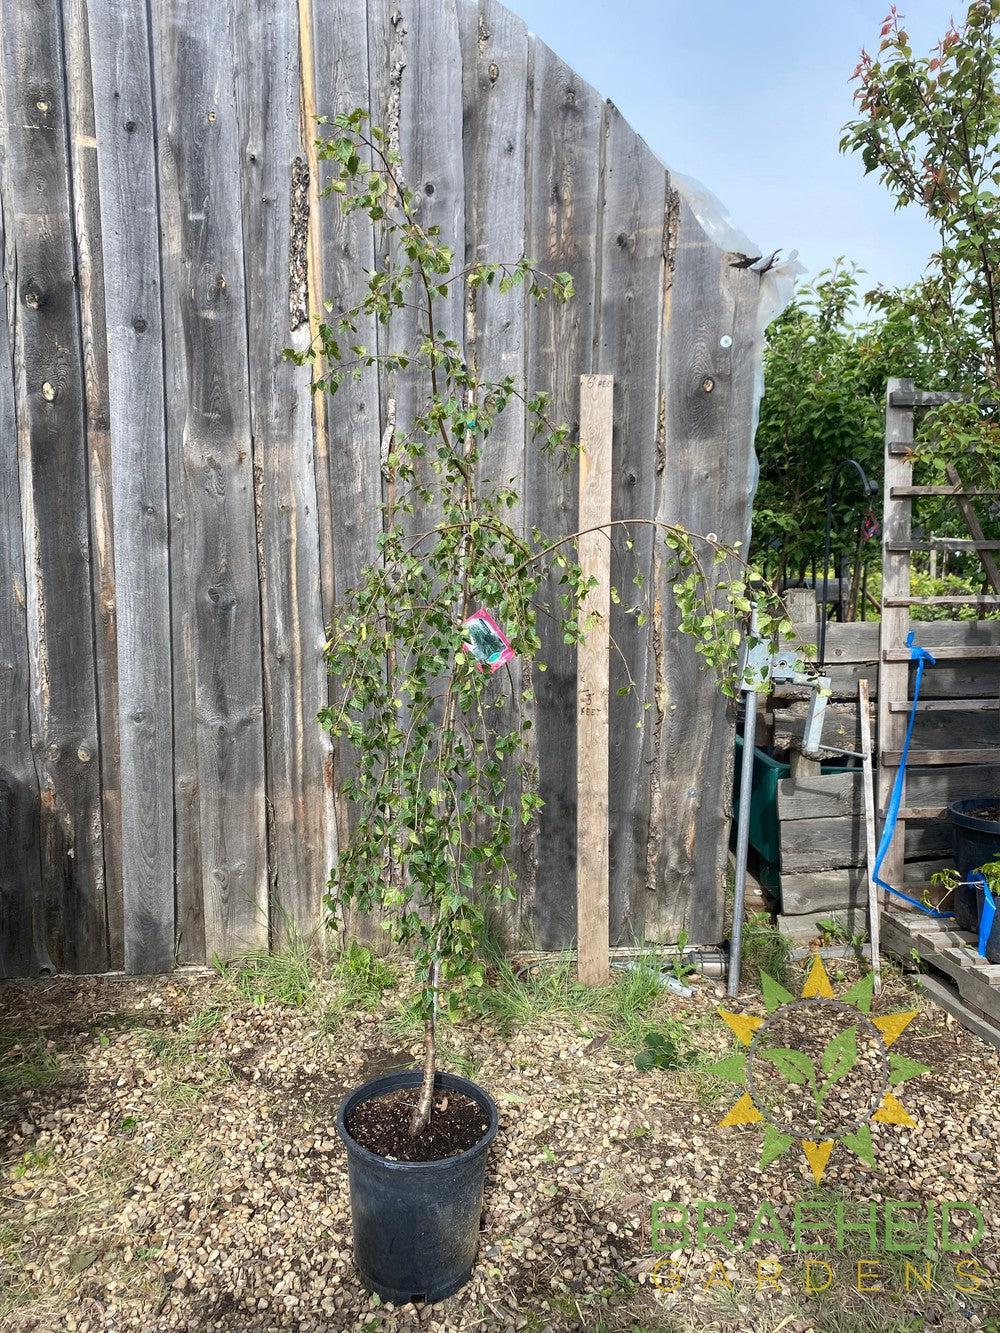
(364, 976)
(32, 1160)
(765, 949)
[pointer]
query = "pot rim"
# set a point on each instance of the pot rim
(959, 812)
(411, 1078)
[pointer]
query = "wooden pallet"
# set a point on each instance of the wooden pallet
(952, 953)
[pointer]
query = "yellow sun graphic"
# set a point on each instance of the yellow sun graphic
(817, 1078)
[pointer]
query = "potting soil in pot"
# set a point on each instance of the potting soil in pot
(985, 811)
(382, 1125)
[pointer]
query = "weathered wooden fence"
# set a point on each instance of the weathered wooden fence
(179, 515)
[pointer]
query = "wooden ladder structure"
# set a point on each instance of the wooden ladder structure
(894, 699)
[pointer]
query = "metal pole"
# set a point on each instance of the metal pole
(742, 838)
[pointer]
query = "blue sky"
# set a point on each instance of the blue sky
(749, 96)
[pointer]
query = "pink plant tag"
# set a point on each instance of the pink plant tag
(869, 527)
(486, 641)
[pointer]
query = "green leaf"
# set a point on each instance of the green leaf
(794, 1065)
(902, 1068)
(860, 1142)
(841, 1053)
(861, 993)
(733, 1068)
(775, 1143)
(775, 994)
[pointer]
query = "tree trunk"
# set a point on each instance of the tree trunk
(422, 1111)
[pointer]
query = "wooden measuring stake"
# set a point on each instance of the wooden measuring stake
(864, 721)
(593, 679)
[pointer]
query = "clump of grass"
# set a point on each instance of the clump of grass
(629, 1002)
(513, 1000)
(765, 949)
(26, 1064)
(286, 976)
(630, 1008)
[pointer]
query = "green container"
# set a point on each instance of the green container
(765, 831)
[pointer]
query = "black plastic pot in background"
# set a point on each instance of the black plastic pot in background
(416, 1224)
(976, 842)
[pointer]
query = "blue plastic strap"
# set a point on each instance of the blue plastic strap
(989, 910)
(921, 656)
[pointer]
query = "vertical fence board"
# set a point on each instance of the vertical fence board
(215, 593)
(22, 947)
(349, 469)
(628, 347)
(495, 47)
(416, 96)
(51, 409)
(300, 813)
(709, 391)
(126, 140)
(564, 131)
(495, 60)
(90, 284)
(347, 253)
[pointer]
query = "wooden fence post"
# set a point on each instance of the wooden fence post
(593, 658)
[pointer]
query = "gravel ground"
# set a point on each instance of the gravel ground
(170, 1162)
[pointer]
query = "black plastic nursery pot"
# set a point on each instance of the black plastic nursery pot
(976, 842)
(416, 1224)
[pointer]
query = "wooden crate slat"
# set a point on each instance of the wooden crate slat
(943, 991)
(946, 654)
(947, 705)
(944, 757)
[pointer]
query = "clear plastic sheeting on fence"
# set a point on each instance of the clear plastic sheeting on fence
(777, 279)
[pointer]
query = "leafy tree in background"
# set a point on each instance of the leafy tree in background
(930, 127)
(817, 409)
(827, 360)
